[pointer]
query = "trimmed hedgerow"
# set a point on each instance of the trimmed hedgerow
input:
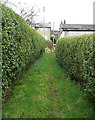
(75, 54)
(20, 45)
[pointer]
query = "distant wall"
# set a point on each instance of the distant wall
(47, 32)
(73, 33)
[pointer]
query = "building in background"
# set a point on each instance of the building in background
(75, 29)
(44, 29)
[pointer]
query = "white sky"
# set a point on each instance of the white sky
(73, 11)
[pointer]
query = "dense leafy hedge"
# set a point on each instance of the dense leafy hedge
(75, 54)
(20, 45)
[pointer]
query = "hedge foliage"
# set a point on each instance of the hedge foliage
(75, 54)
(20, 45)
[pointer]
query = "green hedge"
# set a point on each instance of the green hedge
(75, 54)
(20, 45)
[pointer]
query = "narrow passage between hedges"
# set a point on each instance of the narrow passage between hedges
(46, 91)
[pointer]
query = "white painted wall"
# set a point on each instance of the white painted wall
(47, 32)
(73, 33)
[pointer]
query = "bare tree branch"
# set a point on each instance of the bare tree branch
(28, 15)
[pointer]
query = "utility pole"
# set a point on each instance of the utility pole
(44, 20)
(53, 35)
(65, 29)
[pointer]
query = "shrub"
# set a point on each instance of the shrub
(75, 54)
(49, 44)
(20, 45)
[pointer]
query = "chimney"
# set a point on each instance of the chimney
(64, 21)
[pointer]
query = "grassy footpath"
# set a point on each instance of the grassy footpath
(45, 91)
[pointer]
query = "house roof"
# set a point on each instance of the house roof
(77, 26)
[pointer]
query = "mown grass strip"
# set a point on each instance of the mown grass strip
(45, 91)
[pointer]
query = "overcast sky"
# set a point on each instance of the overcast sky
(73, 11)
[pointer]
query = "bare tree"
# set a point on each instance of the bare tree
(28, 14)
(8, 3)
